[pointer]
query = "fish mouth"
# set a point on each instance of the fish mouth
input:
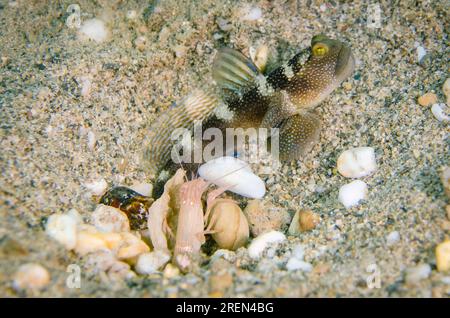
(345, 63)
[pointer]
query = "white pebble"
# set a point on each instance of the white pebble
(259, 244)
(152, 262)
(350, 194)
(392, 238)
(251, 13)
(234, 174)
(31, 276)
(357, 162)
(143, 188)
(298, 252)
(415, 274)
(63, 228)
(85, 87)
(94, 29)
(109, 219)
(421, 52)
(91, 140)
(440, 111)
(295, 264)
(97, 187)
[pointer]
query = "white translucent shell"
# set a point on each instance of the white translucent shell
(235, 174)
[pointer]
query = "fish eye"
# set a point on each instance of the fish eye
(320, 49)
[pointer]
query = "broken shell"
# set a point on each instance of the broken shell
(440, 112)
(132, 203)
(304, 220)
(31, 276)
(229, 225)
(233, 174)
(357, 162)
(109, 219)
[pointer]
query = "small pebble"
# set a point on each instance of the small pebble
(427, 99)
(152, 262)
(143, 188)
(94, 29)
(392, 238)
(109, 219)
(31, 276)
(421, 52)
(63, 228)
(97, 187)
(171, 271)
(295, 264)
(91, 140)
(259, 244)
(415, 274)
(357, 162)
(440, 112)
(446, 90)
(443, 256)
(251, 13)
(298, 252)
(351, 194)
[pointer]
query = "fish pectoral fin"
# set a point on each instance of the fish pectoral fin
(298, 134)
(233, 71)
(280, 109)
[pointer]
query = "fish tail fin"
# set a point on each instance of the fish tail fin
(196, 106)
(233, 71)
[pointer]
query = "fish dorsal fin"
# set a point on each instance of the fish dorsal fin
(233, 71)
(196, 106)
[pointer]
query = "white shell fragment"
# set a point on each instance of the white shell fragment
(357, 162)
(350, 194)
(260, 243)
(440, 112)
(97, 187)
(234, 174)
(151, 262)
(63, 228)
(94, 29)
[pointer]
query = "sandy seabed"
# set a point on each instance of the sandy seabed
(72, 111)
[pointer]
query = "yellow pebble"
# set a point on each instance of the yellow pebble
(347, 86)
(443, 256)
(427, 99)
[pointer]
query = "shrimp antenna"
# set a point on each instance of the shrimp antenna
(181, 165)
